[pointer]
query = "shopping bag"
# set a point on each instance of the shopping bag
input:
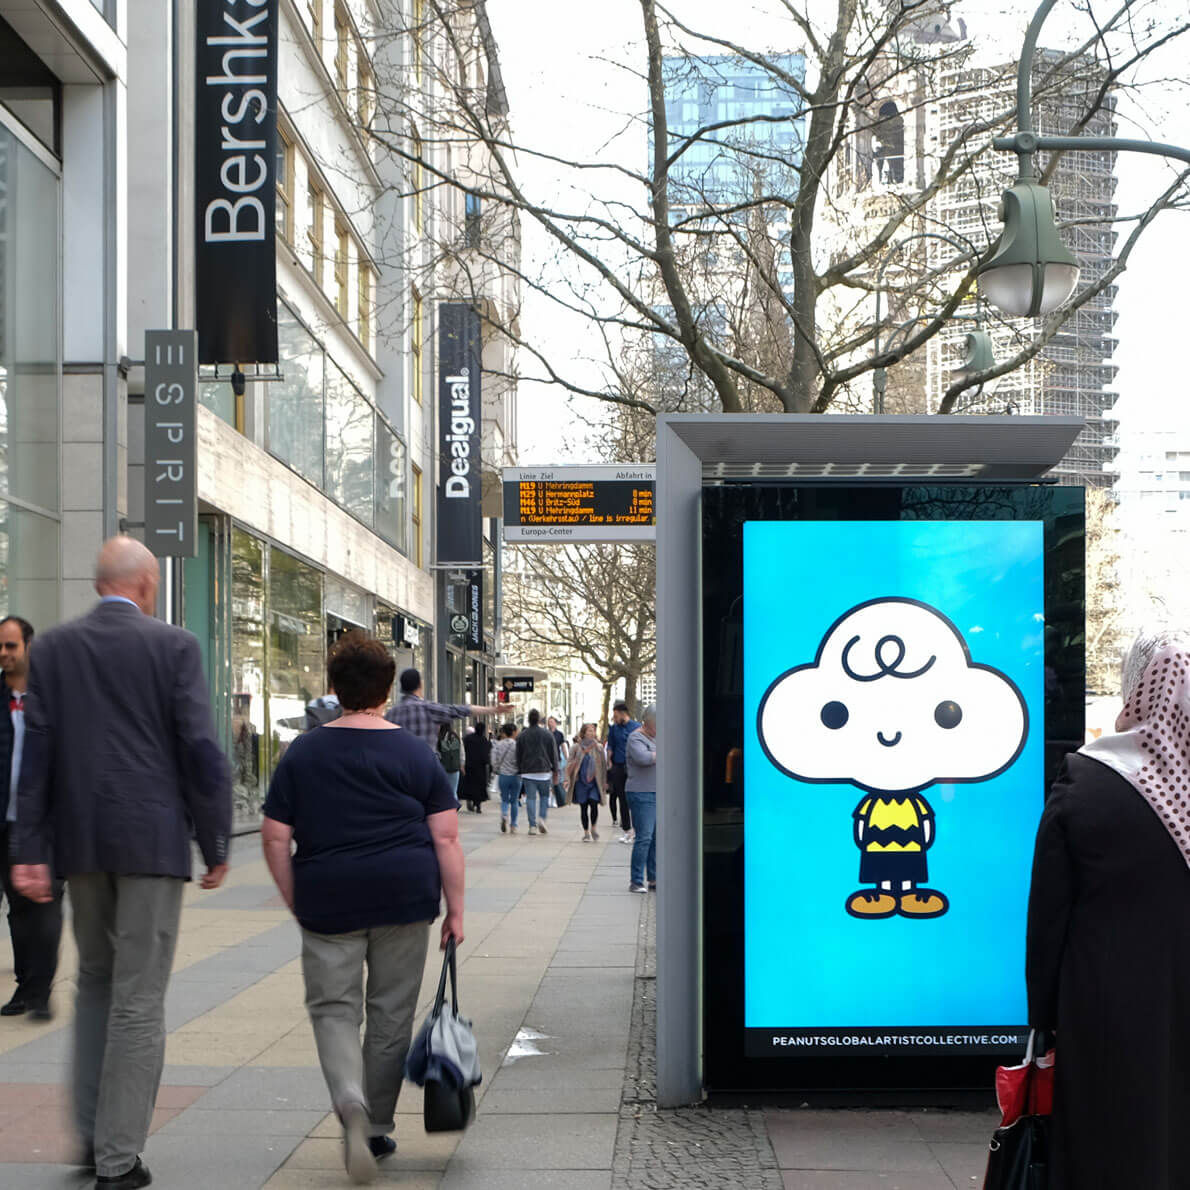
(444, 1058)
(1018, 1157)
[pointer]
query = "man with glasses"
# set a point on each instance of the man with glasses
(36, 929)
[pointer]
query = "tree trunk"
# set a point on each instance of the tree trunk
(630, 681)
(604, 709)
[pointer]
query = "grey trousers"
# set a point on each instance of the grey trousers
(126, 928)
(333, 966)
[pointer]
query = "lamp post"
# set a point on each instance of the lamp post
(879, 373)
(1031, 272)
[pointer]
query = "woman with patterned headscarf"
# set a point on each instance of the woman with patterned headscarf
(1109, 938)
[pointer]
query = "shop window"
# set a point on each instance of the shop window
(366, 282)
(349, 443)
(219, 399)
(889, 148)
(284, 186)
(315, 221)
(365, 87)
(295, 404)
(416, 333)
(418, 197)
(248, 675)
(342, 269)
(417, 33)
(297, 648)
(30, 305)
(391, 467)
(473, 221)
(342, 41)
(415, 517)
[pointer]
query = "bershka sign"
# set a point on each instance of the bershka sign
(235, 180)
(460, 530)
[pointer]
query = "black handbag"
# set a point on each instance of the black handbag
(448, 1107)
(1018, 1157)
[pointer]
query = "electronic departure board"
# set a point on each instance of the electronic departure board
(579, 504)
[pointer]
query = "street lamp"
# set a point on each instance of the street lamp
(1032, 272)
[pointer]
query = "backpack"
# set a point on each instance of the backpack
(450, 752)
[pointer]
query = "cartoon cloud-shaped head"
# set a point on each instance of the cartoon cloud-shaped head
(891, 703)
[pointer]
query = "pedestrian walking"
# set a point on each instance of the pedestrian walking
(373, 819)
(586, 779)
(537, 763)
(622, 726)
(477, 768)
(121, 770)
(422, 717)
(1108, 959)
(450, 756)
(563, 752)
(35, 929)
(508, 778)
(641, 788)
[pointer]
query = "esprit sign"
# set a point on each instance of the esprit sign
(460, 435)
(235, 178)
(171, 498)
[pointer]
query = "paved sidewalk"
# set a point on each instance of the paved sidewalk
(557, 975)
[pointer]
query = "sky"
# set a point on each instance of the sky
(573, 80)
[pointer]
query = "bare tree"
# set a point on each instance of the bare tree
(762, 295)
(590, 603)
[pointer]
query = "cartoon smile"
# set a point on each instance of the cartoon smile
(889, 743)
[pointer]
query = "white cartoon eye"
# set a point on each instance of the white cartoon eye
(834, 715)
(948, 714)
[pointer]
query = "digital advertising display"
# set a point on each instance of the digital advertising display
(892, 674)
(892, 779)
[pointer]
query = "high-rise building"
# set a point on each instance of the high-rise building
(1073, 373)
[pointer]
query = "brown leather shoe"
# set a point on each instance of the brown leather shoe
(871, 903)
(922, 902)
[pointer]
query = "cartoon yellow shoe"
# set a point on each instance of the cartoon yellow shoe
(871, 903)
(922, 902)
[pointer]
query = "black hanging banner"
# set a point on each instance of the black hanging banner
(460, 528)
(475, 611)
(235, 181)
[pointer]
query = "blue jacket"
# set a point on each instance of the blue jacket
(617, 740)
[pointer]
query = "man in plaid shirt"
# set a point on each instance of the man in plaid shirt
(423, 718)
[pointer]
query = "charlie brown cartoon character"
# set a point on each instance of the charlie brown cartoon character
(892, 703)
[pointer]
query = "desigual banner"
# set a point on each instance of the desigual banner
(894, 729)
(460, 402)
(235, 155)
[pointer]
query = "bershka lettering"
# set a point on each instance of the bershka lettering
(458, 441)
(245, 169)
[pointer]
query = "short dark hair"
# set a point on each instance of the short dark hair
(410, 680)
(508, 729)
(24, 625)
(534, 717)
(361, 671)
(620, 705)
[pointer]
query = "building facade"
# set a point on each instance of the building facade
(317, 487)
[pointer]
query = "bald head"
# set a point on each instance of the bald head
(125, 567)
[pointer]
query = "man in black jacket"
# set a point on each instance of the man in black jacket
(121, 768)
(537, 763)
(36, 929)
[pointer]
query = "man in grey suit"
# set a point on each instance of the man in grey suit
(121, 769)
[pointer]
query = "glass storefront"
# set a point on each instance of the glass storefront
(30, 381)
(265, 619)
(350, 430)
(295, 404)
(297, 647)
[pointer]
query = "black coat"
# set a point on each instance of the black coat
(7, 741)
(477, 767)
(121, 766)
(1109, 968)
